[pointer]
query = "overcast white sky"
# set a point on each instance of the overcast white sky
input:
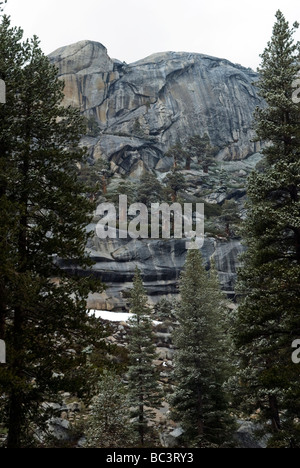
(133, 29)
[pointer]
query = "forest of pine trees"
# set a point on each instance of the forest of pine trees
(228, 366)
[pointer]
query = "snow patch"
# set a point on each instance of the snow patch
(113, 316)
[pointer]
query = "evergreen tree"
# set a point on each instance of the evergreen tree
(164, 310)
(143, 387)
(268, 316)
(199, 401)
(92, 126)
(175, 183)
(230, 217)
(13, 56)
(109, 425)
(96, 176)
(122, 187)
(43, 218)
(137, 130)
(179, 155)
(150, 190)
(201, 148)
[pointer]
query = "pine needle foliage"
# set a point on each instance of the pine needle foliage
(269, 283)
(143, 386)
(199, 402)
(44, 212)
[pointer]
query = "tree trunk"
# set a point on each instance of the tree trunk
(141, 425)
(188, 164)
(16, 411)
(3, 188)
(16, 395)
(141, 405)
(200, 414)
(104, 185)
(15, 421)
(275, 417)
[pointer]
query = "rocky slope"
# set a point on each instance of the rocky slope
(139, 110)
(161, 261)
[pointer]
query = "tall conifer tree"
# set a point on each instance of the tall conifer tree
(143, 387)
(43, 218)
(108, 425)
(268, 317)
(199, 401)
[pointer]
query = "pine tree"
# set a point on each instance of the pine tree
(268, 316)
(109, 425)
(122, 187)
(164, 310)
(43, 218)
(143, 387)
(201, 148)
(179, 155)
(150, 190)
(175, 183)
(13, 56)
(199, 401)
(96, 176)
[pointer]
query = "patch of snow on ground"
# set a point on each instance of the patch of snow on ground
(113, 316)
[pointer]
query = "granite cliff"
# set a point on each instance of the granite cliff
(136, 113)
(143, 108)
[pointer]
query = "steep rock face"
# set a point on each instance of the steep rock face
(85, 68)
(141, 110)
(145, 107)
(160, 262)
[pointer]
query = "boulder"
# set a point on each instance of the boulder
(246, 436)
(60, 429)
(172, 439)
